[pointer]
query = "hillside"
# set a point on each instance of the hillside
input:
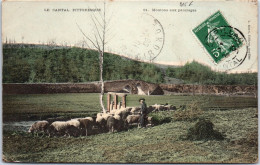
(196, 73)
(28, 63)
(42, 64)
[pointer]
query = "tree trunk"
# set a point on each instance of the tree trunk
(102, 82)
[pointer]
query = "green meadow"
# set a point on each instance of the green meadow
(234, 117)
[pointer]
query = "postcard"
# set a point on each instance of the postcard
(130, 81)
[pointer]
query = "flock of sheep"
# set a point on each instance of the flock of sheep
(115, 120)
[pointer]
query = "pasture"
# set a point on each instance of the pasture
(42, 106)
(232, 116)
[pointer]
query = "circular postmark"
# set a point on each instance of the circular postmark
(228, 47)
(149, 41)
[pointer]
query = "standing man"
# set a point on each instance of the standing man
(143, 112)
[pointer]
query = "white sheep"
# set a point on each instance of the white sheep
(106, 115)
(74, 122)
(128, 109)
(99, 114)
(158, 107)
(39, 126)
(89, 118)
(118, 112)
(86, 125)
(58, 127)
(101, 123)
(117, 117)
(113, 111)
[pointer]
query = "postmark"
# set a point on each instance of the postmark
(226, 45)
(150, 41)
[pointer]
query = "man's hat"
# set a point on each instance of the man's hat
(141, 99)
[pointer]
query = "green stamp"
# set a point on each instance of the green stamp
(218, 37)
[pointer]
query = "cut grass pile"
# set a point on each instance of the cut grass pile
(203, 130)
(159, 144)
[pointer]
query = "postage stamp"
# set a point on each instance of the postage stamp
(218, 37)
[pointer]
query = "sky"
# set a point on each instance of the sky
(146, 30)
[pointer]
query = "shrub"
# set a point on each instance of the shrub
(160, 117)
(188, 113)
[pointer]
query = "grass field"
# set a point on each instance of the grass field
(41, 106)
(159, 144)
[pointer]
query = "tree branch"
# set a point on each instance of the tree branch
(87, 37)
(97, 30)
(97, 20)
(97, 42)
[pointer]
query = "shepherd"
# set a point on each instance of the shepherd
(143, 113)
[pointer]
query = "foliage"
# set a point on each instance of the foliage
(39, 64)
(160, 117)
(188, 112)
(24, 63)
(195, 72)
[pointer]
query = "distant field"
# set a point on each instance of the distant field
(41, 106)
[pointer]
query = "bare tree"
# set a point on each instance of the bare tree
(99, 41)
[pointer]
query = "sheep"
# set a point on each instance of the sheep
(150, 109)
(111, 122)
(99, 115)
(71, 130)
(167, 107)
(58, 128)
(135, 110)
(118, 112)
(128, 109)
(158, 107)
(115, 123)
(150, 121)
(101, 123)
(39, 126)
(89, 118)
(74, 122)
(122, 114)
(86, 125)
(113, 111)
(133, 119)
(106, 115)
(117, 117)
(121, 123)
(172, 107)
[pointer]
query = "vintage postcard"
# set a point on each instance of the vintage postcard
(130, 81)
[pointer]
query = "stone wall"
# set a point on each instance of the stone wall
(50, 88)
(129, 86)
(110, 86)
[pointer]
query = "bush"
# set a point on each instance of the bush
(160, 117)
(203, 130)
(188, 113)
